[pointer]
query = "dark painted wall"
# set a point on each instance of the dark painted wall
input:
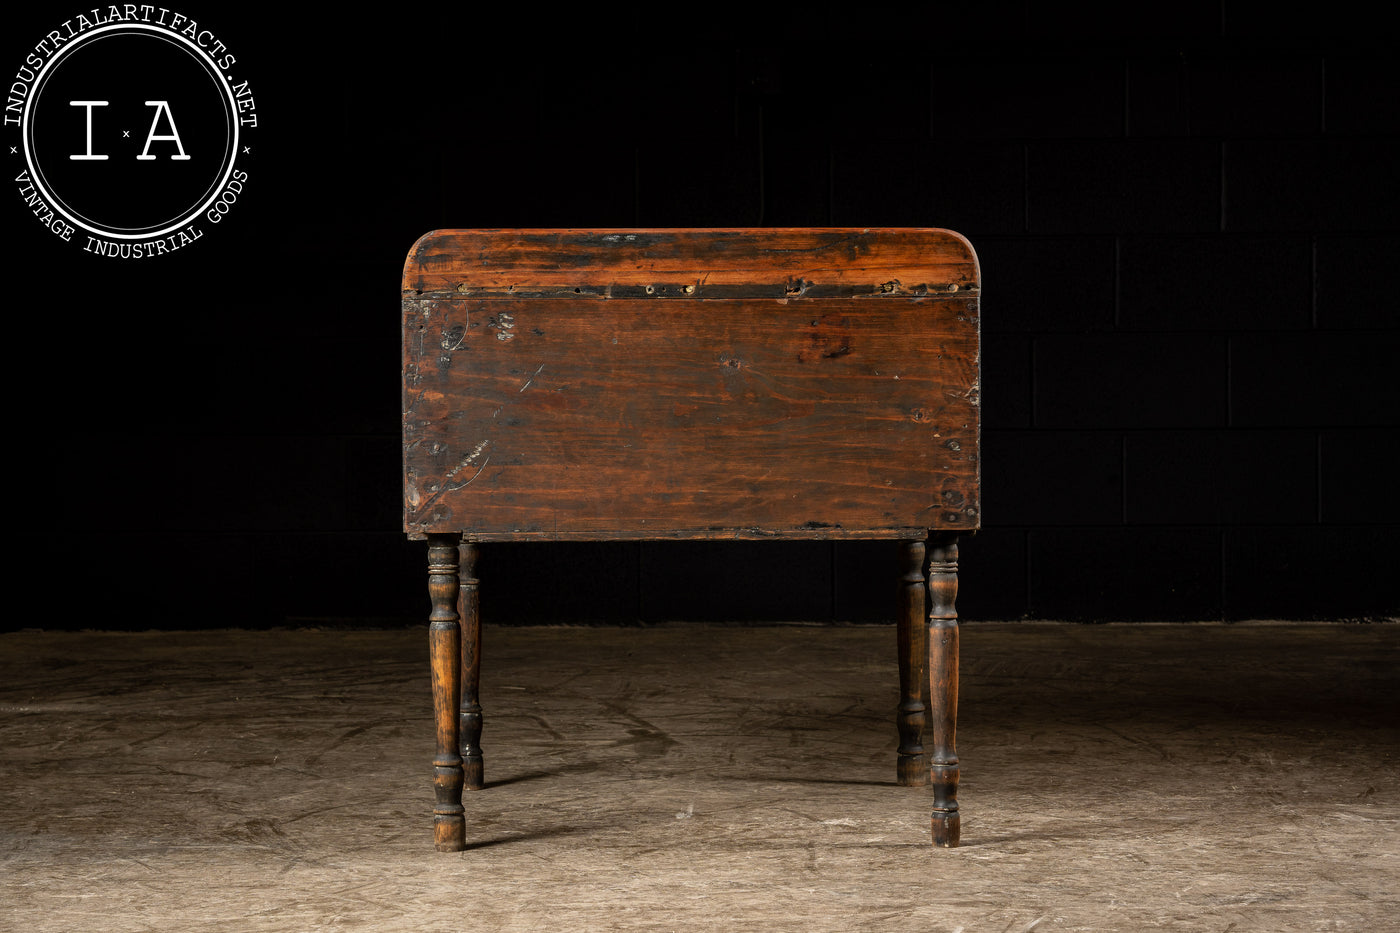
(1187, 218)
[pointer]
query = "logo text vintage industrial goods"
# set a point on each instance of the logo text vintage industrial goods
(129, 128)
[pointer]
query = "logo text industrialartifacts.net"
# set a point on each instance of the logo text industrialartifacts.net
(125, 126)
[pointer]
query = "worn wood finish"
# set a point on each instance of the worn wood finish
(912, 636)
(768, 262)
(469, 610)
(566, 414)
(444, 647)
(648, 384)
(943, 687)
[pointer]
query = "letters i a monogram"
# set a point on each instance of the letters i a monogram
(162, 107)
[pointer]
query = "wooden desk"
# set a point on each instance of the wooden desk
(569, 385)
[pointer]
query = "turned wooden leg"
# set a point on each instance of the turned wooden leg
(444, 648)
(912, 767)
(943, 686)
(469, 609)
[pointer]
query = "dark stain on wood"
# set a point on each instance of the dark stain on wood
(750, 384)
(787, 377)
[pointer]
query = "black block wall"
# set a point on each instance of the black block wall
(1187, 217)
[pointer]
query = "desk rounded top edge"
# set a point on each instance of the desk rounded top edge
(462, 260)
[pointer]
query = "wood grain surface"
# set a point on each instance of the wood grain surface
(696, 384)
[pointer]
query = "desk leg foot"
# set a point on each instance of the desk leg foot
(912, 766)
(444, 649)
(469, 609)
(946, 829)
(943, 687)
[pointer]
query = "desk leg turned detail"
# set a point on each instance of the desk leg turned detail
(912, 632)
(469, 609)
(444, 648)
(943, 686)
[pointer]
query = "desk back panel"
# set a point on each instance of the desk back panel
(596, 385)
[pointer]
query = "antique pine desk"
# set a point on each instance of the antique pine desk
(572, 385)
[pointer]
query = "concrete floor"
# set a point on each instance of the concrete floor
(1185, 777)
